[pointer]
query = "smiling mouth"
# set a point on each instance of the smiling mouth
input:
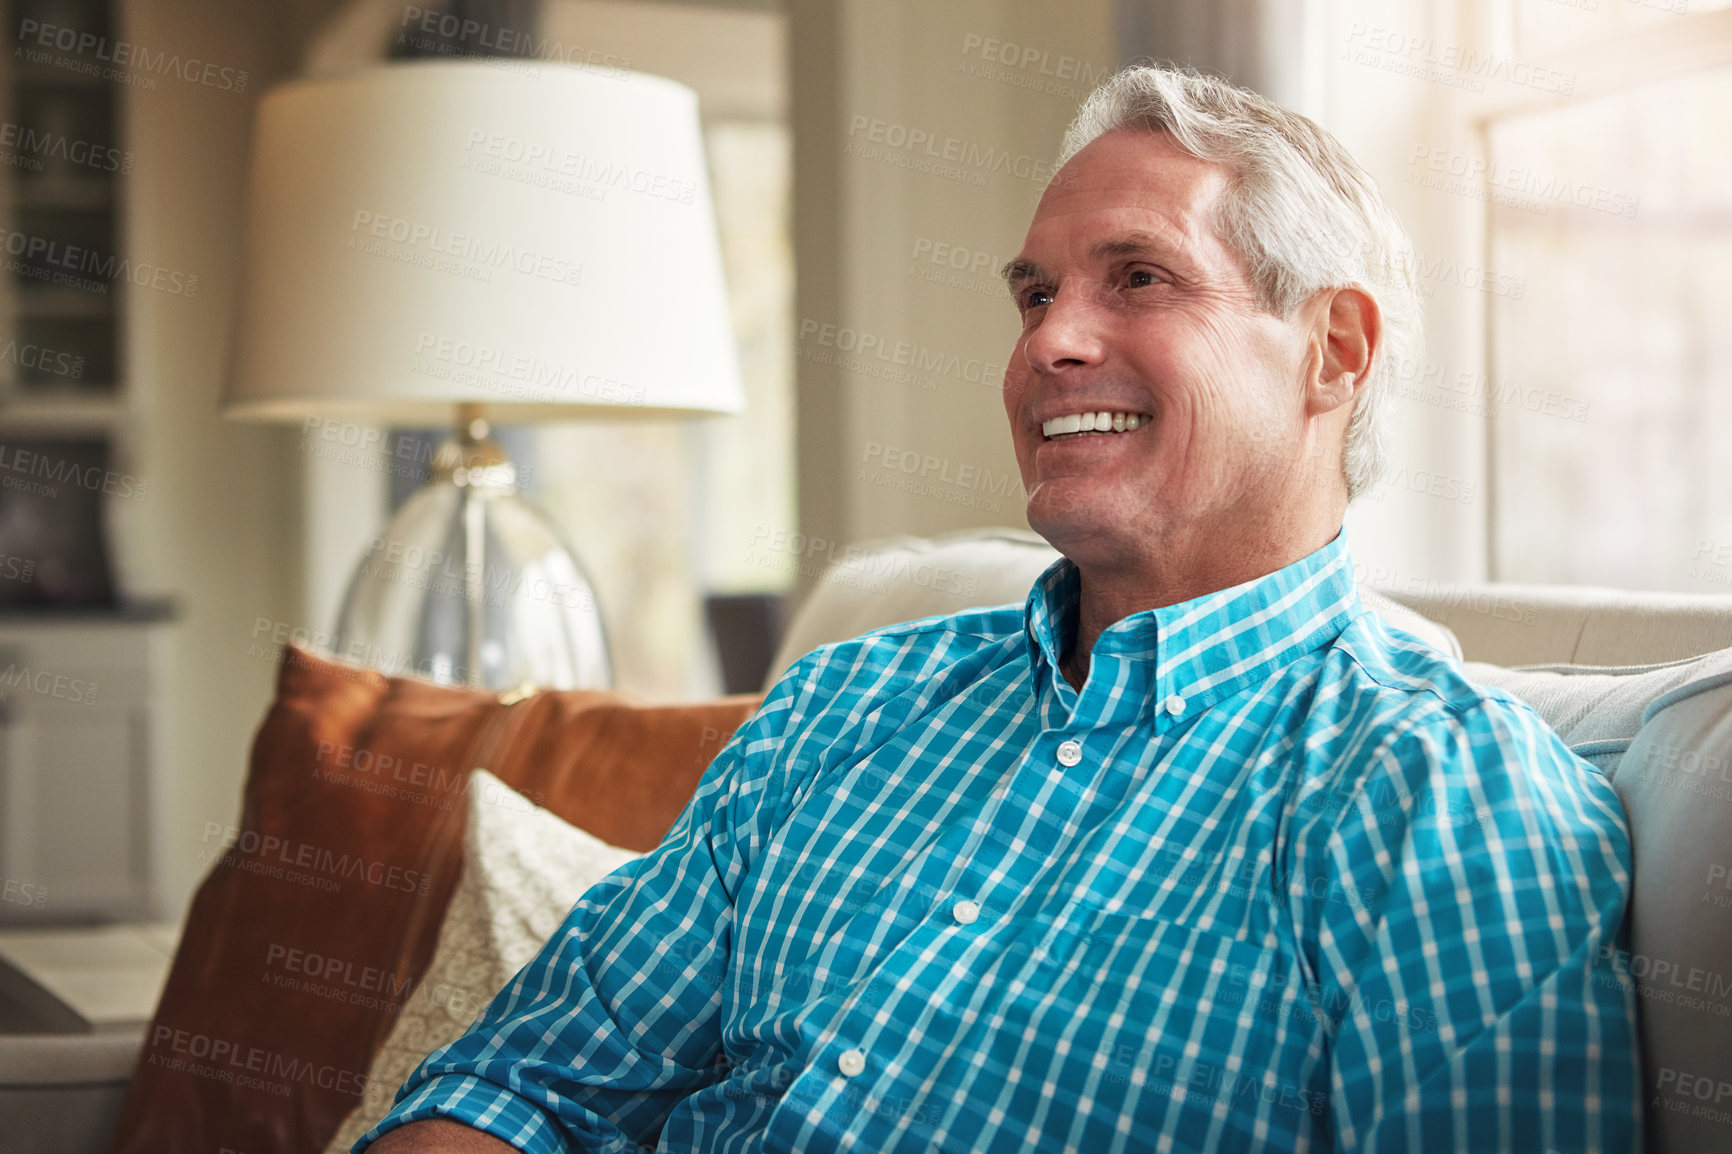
(1093, 424)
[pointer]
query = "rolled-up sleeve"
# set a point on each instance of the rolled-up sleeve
(1472, 1004)
(617, 1018)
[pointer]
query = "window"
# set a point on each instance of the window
(1612, 215)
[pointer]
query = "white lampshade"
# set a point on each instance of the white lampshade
(424, 234)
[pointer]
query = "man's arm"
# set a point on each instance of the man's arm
(1470, 1008)
(617, 1018)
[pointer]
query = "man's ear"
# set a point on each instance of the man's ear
(1349, 331)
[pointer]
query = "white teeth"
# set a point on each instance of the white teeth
(1100, 422)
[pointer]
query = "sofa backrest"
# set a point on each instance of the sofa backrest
(1571, 624)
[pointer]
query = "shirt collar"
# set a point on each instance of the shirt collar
(1170, 663)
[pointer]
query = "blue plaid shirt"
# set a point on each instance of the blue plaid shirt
(1279, 878)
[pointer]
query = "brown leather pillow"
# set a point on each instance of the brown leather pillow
(322, 916)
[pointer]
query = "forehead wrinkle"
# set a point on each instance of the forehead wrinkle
(1187, 243)
(1135, 243)
(1172, 229)
(1163, 233)
(1175, 220)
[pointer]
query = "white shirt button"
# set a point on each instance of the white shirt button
(1175, 705)
(1069, 753)
(965, 912)
(851, 1063)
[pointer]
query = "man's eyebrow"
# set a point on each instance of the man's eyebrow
(1017, 271)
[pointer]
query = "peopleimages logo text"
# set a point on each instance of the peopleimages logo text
(268, 848)
(171, 1047)
(28, 463)
(125, 54)
(465, 247)
(81, 259)
(941, 146)
(54, 146)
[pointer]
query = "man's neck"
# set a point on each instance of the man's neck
(1110, 594)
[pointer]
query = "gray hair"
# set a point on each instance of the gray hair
(1300, 211)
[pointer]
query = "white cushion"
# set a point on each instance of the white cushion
(523, 870)
(1598, 709)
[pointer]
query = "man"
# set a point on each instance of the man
(1188, 853)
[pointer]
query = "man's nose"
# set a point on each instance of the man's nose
(1068, 333)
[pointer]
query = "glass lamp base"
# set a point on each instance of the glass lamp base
(471, 585)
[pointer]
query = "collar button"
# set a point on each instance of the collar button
(1069, 753)
(1176, 705)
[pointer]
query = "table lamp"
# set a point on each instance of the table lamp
(456, 240)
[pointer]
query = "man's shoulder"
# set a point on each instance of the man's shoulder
(1417, 692)
(1395, 664)
(1422, 729)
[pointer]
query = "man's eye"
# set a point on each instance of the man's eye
(1035, 298)
(1140, 278)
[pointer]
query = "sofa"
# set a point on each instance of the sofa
(1640, 685)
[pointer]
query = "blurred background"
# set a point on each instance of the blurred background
(1562, 165)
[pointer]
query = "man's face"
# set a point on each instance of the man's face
(1132, 305)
